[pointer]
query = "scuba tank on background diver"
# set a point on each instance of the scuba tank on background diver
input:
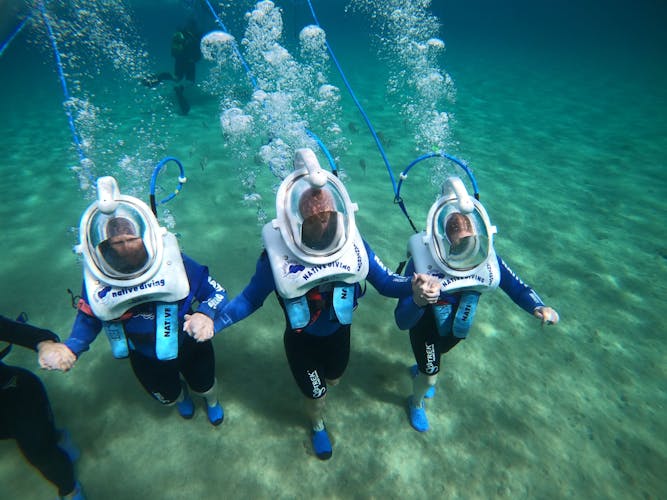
(128, 259)
(300, 262)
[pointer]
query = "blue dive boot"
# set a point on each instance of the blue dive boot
(65, 443)
(417, 416)
(414, 370)
(215, 413)
(77, 494)
(186, 408)
(321, 444)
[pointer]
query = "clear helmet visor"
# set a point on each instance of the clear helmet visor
(314, 213)
(121, 243)
(319, 218)
(461, 240)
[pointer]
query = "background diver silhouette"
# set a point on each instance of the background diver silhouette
(186, 52)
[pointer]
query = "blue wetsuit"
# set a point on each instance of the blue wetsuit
(427, 343)
(321, 349)
(195, 360)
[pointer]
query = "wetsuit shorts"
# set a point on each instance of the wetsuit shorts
(428, 345)
(314, 359)
(161, 379)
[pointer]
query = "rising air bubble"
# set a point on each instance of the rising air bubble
(216, 45)
(312, 38)
(329, 92)
(435, 43)
(235, 121)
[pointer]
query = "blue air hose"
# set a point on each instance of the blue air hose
(16, 31)
(356, 101)
(397, 198)
(75, 136)
(404, 175)
(324, 150)
(253, 80)
(156, 171)
(255, 86)
(397, 188)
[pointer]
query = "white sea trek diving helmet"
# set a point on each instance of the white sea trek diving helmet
(459, 233)
(126, 218)
(311, 193)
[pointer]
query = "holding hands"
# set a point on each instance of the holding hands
(55, 356)
(199, 326)
(425, 289)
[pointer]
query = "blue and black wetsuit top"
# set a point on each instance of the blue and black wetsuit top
(139, 322)
(407, 313)
(323, 318)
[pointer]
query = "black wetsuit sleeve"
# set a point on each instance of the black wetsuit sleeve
(23, 334)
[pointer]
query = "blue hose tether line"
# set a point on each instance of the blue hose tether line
(255, 86)
(156, 171)
(404, 174)
(253, 80)
(397, 198)
(441, 154)
(61, 74)
(14, 34)
(325, 150)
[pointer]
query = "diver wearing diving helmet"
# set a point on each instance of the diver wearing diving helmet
(315, 259)
(141, 289)
(456, 251)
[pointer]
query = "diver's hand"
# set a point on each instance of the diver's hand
(55, 356)
(548, 315)
(199, 326)
(425, 289)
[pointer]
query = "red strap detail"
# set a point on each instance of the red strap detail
(125, 316)
(313, 317)
(314, 294)
(315, 299)
(84, 307)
